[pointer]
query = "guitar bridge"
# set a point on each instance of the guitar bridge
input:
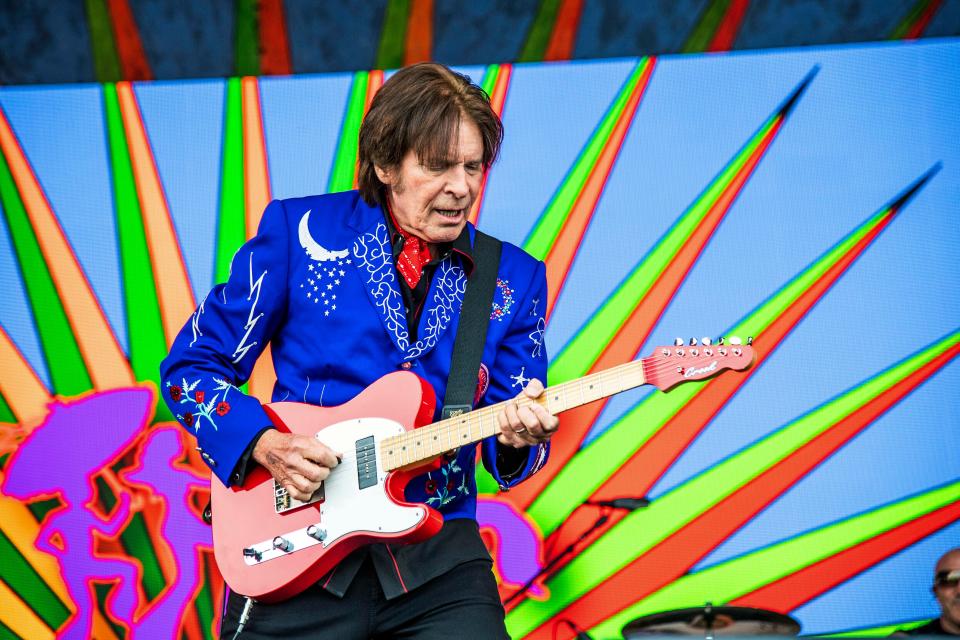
(284, 502)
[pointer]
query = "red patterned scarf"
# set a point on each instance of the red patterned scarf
(415, 254)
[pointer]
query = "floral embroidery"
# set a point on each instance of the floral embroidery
(451, 283)
(181, 395)
(502, 309)
(537, 337)
(223, 408)
(375, 258)
(447, 490)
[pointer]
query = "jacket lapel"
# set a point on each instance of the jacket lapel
(373, 260)
(442, 304)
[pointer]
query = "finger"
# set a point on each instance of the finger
(534, 389)
(508, 434)
(530, 429)
(304, 487)
(548, 421)
(320, 453)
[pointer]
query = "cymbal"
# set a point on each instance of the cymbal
(712, 621)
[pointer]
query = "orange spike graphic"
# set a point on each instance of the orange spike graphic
(498, 97)
(19, 384)
(174, 293)
(256, 197)
(105, 361)
(418, 45)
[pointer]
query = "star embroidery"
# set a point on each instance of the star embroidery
(326, 313)
(329, 286)
(336, 281)
(520, 380)
(342, 272)
(310, 267)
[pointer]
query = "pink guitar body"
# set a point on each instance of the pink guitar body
(353, 511)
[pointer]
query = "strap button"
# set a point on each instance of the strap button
(407, 365)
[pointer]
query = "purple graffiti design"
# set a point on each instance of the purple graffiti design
(519, 560)
(61, 457)
(181, 528)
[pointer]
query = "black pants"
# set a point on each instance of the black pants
(460, 603)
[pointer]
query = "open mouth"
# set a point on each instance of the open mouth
(450, 213)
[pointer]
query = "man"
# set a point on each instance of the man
(348, 287)
(946, 587)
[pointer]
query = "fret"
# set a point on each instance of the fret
(440, 437)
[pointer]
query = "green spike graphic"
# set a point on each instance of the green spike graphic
(247, 38)
(68, 372)
(144, 328)
(743, 575)
(535, 46)
(20, 576)
(640, 531)
(231, 223)
(106, 60)
(390, 53)
(576, 357)
(544, 233)
(345, 162)
(903, 28)
(706, 27)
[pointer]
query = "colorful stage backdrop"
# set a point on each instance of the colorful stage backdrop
(806, 198)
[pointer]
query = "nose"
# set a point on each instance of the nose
(457, 182)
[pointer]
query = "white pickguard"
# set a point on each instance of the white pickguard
(346, 508)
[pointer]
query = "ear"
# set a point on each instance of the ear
(386, 176)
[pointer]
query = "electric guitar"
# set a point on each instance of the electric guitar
(270, 546)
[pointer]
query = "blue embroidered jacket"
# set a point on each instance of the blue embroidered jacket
(318, 283)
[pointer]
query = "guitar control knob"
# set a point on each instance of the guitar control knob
(693, 342)
(706, 342)
(735, 340)
(282, 544)
(317, 533)
(678, 342)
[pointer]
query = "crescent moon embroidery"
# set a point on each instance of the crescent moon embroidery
(313, 249)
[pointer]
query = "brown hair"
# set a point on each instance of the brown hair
(420, 108)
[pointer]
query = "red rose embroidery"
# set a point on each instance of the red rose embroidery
(430, 487)
(223, 408)
(175, 393)
(483, 383)
(188, 419)
(199, 396)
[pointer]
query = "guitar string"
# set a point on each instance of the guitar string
(475, 419)
(618, 373)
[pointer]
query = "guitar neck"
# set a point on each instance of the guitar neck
(426, 443)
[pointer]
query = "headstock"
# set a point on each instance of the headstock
(682, 362)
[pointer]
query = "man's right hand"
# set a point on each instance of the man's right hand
(298, 463)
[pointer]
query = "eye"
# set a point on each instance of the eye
(473, 167)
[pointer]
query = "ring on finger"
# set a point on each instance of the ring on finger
(520, 430)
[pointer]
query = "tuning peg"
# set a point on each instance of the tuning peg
(706, 342)
(693, 342)
(678, 342)
(750, 340)
(735, 340)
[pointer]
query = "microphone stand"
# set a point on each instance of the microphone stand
(607, 507)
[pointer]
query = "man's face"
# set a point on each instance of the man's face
(432, 202)
(948, 592)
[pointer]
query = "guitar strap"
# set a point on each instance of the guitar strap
(472, 330)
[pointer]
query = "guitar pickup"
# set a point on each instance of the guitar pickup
(366, 462)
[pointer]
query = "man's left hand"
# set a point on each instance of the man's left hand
(531, 424)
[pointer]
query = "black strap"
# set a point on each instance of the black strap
(472, 331)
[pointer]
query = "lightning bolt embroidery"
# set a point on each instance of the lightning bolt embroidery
(252, 319)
